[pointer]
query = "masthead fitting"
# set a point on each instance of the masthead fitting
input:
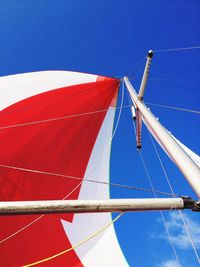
(150, 53)
(145, 75)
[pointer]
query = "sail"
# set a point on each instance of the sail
(55, 134)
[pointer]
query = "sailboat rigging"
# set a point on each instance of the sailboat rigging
(54, 146)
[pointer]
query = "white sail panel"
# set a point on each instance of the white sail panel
(102, 250)
(14, 88)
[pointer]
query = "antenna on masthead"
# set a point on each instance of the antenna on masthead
(140, 97)
(145, 75)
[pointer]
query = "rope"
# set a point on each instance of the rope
(90, 180)
(170, 238)
(155, 195)
(21, 229)
(75, 246)
(34, 221)
(180, 212)
(161, 163)
(161, 213)
(178, 49)
(189, 236)
(152, 188)
(176, 108)
(59, 118)
(120, 112)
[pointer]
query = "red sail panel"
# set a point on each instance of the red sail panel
(56, 132)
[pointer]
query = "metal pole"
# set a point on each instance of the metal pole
(145, 75)
(185, 164)
(85, 206)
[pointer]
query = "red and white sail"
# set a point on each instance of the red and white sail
(55, 131)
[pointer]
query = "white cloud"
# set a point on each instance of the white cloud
(169, 263)
(178, 233)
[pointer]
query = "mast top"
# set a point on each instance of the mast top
(150, 53)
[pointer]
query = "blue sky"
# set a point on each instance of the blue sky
(112, 38)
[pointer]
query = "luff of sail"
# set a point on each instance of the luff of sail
(54, 122)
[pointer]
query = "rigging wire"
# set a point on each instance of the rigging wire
(90, 180)
(155, 195)
(137, 68)
(189, 235)
(21, 229)
(161, 213)
(171, 189)
(37, 219)
(60, 118)
(76, 245)
(177, 49)
(175, 108)
(120, 112)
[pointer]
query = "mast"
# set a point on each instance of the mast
(185, 164)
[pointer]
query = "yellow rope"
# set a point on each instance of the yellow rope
(75, 246)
